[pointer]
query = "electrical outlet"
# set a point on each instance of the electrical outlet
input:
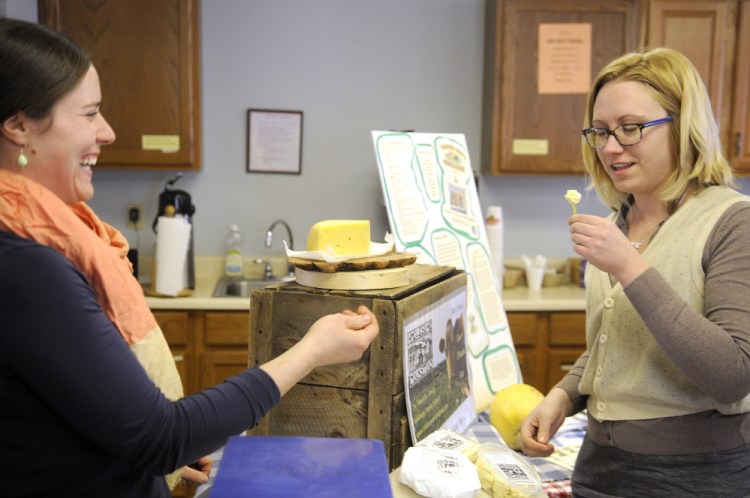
(135, 216)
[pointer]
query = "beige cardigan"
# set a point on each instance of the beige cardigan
(671, 352)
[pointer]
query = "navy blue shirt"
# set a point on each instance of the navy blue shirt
(78, 414)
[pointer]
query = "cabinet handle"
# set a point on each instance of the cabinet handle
(178, 357)
(565, 367)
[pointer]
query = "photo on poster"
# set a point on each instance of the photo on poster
(436, 373)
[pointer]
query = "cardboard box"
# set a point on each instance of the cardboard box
(363, 399)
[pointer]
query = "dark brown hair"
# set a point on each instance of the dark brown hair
(39, 66)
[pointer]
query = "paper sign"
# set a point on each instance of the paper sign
(530, 147)
(564, 58)
(164, 143)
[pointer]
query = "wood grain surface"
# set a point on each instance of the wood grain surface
(389, 260)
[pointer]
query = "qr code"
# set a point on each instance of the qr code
(513, 472)
(448, 442)
(448, 465)
(420, 352)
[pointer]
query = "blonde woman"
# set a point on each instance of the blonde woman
(666, 374)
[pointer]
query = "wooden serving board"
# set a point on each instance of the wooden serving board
(388, 278)
(390, 260)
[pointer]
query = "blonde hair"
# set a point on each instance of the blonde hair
(675, 84)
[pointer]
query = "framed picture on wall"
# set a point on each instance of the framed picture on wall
(274, 141)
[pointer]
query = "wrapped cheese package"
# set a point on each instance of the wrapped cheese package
(439, 473)
(505, 474)
(451, 440)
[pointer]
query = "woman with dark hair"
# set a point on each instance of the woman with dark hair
(665, 376)
(90, 400)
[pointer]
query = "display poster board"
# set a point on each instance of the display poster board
(433, 209)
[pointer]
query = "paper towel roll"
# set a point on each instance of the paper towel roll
(172, 243)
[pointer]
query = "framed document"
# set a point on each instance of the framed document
(274, 141)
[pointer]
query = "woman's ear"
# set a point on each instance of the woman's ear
(16, 129)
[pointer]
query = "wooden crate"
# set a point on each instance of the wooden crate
(363, 399)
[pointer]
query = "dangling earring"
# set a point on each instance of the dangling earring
(22, 161)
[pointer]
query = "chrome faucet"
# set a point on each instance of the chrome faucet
(267, 268)
(269, 237)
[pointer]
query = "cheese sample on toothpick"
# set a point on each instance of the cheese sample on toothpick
(573, 197)
(344, 237)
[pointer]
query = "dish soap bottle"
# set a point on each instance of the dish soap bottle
(233, 261)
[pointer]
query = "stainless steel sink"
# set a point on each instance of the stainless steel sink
(241, 287)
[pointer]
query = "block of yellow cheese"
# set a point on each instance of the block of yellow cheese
(344, 237)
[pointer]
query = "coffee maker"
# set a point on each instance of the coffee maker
(174, 202)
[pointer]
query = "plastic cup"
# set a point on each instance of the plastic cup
(534, 278)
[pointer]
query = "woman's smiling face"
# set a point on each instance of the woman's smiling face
(644, 167)
(63, 148)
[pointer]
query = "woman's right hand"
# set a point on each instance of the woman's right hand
(601, 243)
(543, 422)
(341, 337)
(336, 338)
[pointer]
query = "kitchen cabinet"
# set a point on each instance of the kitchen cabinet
(208, 347)
(714, 34)
(706, 32)
(147, 56)
(224, 349)
(177, 327)
(739, 140)
(547, 344)
(525, 132)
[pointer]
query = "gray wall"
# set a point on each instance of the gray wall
(351, 66)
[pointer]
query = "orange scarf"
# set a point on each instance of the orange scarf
(97, 249)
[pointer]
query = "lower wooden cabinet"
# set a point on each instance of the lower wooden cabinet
(208, 347)
(547, 344)
(224, 350)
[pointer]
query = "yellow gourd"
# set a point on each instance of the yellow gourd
(509, 407)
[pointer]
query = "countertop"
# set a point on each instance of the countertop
(208, 271)
(559, 298)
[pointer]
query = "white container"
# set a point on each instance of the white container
(493, 223)
(535, 278)
(233, 266)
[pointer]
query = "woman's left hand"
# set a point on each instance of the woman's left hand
(197, 472)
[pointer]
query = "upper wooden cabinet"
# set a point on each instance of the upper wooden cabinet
(525, 132)
(739, 139)
(703, 31)
(147, 56)
(714, 34)
(706, 32)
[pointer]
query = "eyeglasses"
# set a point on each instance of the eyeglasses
(626, 134)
